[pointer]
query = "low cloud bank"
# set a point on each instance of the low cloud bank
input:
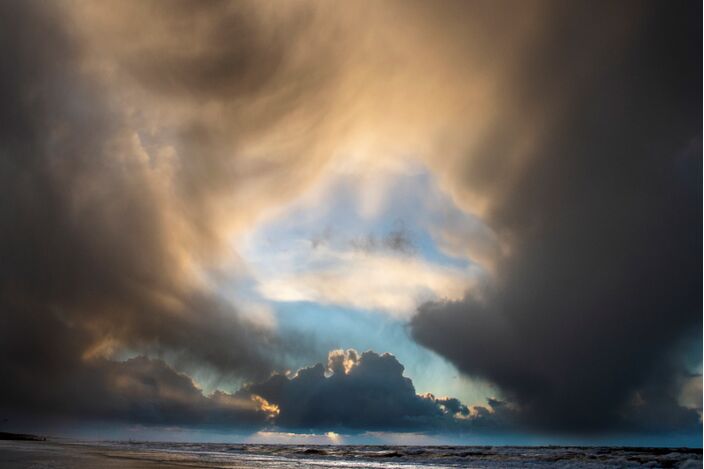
(356, 392)
(352, 393)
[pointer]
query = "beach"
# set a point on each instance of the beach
(143, 455)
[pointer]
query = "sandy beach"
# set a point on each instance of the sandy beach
(135, 455)
(55, 455)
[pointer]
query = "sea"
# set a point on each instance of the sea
(146, 455)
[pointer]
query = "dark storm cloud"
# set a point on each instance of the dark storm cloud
(353, 392)
(100, 245)
(363, 392)
(137, 137)
(584, 325)
(137, 391)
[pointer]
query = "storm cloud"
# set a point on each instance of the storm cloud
(138, 139)
(358, 392)
(106, 236)
(139, 391)
(585, 323)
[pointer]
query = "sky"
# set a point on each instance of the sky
(365, 222)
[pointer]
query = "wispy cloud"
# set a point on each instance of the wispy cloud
(367, 280)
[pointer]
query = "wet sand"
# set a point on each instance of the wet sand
(59, 455)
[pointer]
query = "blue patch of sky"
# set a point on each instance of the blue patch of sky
(332, 327)
(409, 202)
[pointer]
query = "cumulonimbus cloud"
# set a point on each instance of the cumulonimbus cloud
(106, 227)
(137, 139)
(358, 392)
(586, 323)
